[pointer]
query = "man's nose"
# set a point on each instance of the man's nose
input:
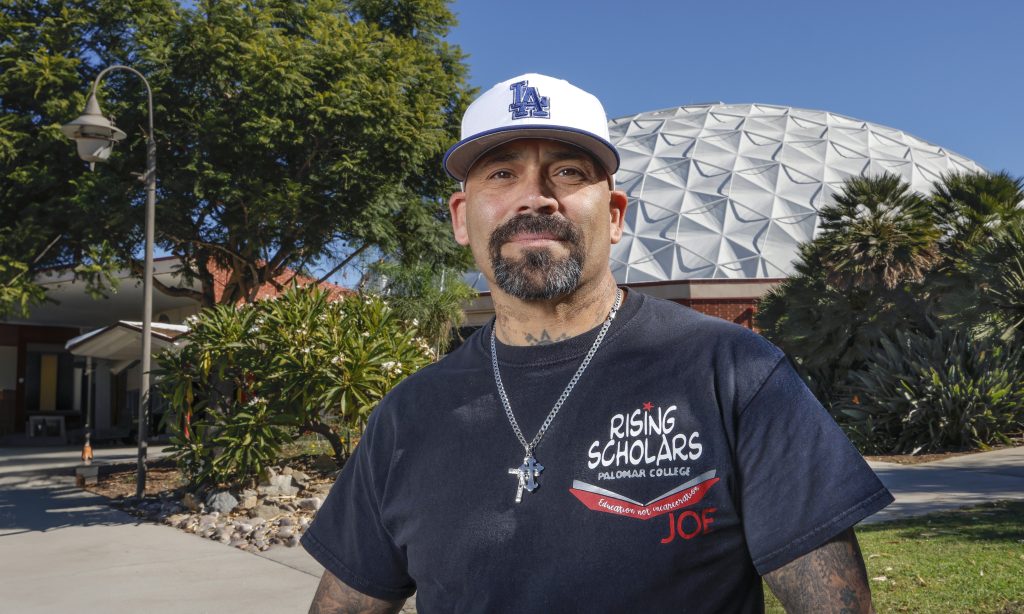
(539, 196)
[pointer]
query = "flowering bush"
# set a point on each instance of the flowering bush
(254, 377)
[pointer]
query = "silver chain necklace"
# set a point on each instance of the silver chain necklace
(529, 471)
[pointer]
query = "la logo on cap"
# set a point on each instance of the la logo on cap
(493, 119)
(527, 102)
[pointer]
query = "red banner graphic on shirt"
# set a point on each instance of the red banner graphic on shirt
(685, 495)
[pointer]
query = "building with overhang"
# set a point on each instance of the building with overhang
(75, 356)
(721, 195)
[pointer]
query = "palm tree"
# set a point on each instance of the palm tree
(981, 218)
(970, 206)
(990, 299)
(855, 283)
(877, 235)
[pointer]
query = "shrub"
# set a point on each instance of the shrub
(930, 394)
(253, 378)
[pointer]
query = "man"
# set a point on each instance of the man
(592, 449)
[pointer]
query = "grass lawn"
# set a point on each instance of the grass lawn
(968, 561)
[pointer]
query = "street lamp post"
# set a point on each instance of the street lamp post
(95, 136)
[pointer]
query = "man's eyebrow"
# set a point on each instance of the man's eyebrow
(570, 154)
(498, 157)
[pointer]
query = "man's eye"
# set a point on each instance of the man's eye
(502, 174)
(569, 171)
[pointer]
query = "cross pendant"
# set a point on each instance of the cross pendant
(527, 474)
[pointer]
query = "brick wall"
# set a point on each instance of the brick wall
(738, 310)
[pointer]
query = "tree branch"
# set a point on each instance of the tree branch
(344, 262)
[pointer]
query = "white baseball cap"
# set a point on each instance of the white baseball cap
(532, 106)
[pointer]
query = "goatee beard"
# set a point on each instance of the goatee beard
(537, 274)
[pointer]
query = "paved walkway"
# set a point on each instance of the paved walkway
(951, 483)
(64, 550)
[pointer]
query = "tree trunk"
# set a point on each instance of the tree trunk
(332, 438)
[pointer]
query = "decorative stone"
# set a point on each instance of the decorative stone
(190, 502)
(325, 464)
(287, 471)
(312, 503)
(285, 521)
(267, 474)
(176, 520)
(243, 527)
(284, 533)
(247, 502)
(300, 479)
(221, 502)
(267, 512)
(278, 485)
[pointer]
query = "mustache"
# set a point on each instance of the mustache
(559, 227)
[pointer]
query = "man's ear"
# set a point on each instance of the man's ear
(457, 207)
(617, 209)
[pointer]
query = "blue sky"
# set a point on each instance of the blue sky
(948, 72)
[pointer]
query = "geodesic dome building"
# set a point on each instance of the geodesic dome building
(721, 195)
(728, 191)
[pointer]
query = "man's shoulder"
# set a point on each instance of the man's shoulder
(670, 322)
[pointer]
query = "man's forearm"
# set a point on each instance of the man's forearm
(830, 578)
(335, 597)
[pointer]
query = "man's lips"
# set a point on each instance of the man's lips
(533, 237)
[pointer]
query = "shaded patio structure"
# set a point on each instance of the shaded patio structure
(76, 353)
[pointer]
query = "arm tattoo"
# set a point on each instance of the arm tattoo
(335, 597)
(545, 338)
(830, 578)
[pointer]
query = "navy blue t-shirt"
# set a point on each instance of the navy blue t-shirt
(689, 460)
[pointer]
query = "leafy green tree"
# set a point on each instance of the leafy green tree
(431, 297)
(45, 219)
(289, 135)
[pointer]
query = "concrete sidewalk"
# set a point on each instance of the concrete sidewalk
(951, 483)
(65, 550)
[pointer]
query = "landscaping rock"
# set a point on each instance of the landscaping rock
(300, 479)
(266, 474)
(312, 503)
(325, 464)
(267, 512)
(222, 502)
(278, 485)
(190, 502)
(243, 528)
